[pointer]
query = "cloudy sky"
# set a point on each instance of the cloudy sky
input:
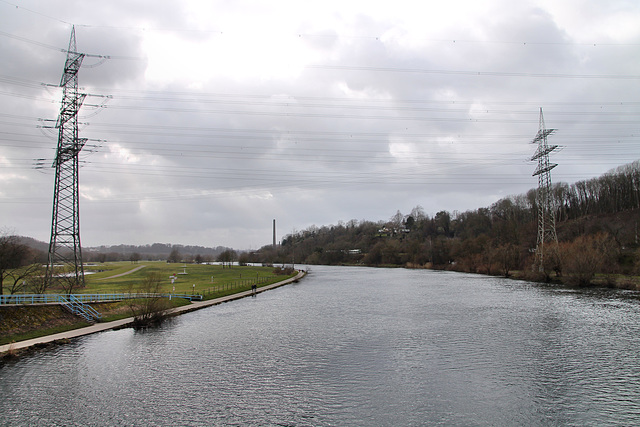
(206, 120)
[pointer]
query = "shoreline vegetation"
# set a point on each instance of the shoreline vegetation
(597, 224)
(608, 281)
(22, 322)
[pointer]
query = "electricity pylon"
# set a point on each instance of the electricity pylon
(546, 211)
(65, 251)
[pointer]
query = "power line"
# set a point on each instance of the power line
(314, 101)
(473, 73)
(59, 49)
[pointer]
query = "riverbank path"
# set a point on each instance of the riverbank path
(99, 327)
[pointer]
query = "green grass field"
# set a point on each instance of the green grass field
(175, 278)
(211, 281)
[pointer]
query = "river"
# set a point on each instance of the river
(352, 347)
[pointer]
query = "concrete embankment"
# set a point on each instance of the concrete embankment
(99, 327)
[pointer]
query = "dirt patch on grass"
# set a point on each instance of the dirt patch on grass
(111, 309)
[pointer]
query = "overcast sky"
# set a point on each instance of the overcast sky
(209, 119)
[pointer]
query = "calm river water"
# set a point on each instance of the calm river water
(352, 347)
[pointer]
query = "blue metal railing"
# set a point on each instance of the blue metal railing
(30, 299)
(85, 298)
(80, 309)
(87, 309)
(78, 303)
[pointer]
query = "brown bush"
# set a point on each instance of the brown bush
(152, 307)
(586, 256)
(286, 271)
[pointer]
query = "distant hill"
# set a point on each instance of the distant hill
(158, 249)
(155, 251)
(34, 244)
(597, 223)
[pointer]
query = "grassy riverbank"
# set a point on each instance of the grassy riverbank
(22, 322)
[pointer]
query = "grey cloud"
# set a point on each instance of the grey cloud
(375, 125)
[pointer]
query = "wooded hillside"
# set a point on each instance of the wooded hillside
(597, 225)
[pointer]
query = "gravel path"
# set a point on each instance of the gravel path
(125, 273)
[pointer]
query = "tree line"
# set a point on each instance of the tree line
(153, 252)
(597, 226)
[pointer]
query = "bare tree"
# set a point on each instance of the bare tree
(19, 280)
(152, 307)
(586, 256)
(38, 283)
(508, 257)
(67, 279)
(227, 256)
(418, 213)
(135, 257)
(175, 255)
(396, 221)
(14, 256)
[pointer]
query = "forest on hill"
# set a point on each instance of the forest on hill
(596, 222)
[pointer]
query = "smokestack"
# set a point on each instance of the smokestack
(274, 233)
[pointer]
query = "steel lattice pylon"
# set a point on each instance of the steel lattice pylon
(65, 251)
(544, 201)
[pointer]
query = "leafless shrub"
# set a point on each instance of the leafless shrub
(152, 307)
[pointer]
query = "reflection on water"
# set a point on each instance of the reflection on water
(352, 346)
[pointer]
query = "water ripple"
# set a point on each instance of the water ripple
(352, 346)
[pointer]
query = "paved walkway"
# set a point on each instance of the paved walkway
(99, 327)
(125, 273)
